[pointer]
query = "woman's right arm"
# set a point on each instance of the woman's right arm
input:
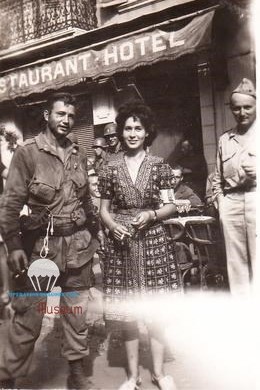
(118, 231)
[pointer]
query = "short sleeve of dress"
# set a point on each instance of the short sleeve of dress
(106, 188)
(165, 177)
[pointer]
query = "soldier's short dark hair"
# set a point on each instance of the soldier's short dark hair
(65, 97)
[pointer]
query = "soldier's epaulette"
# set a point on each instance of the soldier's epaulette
(29, 141)
(228, 131)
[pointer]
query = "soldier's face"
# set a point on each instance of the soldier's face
(98, 151)
(112, 140)
(60, 119)
(243, 108)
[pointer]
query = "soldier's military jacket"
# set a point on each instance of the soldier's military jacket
(57, 193)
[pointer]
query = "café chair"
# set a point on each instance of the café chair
(205, 236)
(185, 263)
(175, 230)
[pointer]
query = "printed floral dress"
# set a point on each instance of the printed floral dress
(145, 263)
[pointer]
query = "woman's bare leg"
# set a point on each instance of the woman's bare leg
(132, 353)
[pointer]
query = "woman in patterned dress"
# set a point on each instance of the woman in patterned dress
(139, 261)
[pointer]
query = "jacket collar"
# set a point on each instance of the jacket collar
(233, 132)
(45, 143)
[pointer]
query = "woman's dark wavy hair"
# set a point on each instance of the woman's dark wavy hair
(138, 110)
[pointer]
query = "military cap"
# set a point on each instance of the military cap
(245, 87)
(99, 142)
(109, 129)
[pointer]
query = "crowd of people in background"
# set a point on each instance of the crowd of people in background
(112, 202)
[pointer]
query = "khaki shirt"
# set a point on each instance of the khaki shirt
(229, 174)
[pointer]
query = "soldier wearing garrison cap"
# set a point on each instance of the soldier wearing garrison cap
(234, 188)
(113, 143)
(245, 87)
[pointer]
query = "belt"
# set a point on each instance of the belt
(240, 190)
(251, 189)
(76, 216)
(63, 230)
(72, 217)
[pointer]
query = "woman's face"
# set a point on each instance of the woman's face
(134, 134)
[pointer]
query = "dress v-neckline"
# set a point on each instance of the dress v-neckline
(134, 183)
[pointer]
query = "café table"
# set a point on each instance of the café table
(188, 218)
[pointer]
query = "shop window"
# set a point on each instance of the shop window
(84, 128)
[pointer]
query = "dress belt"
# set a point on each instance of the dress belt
(130, 211)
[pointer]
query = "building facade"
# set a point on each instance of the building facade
(181, 57)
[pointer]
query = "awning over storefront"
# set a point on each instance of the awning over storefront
(110, 3)
(123, 54)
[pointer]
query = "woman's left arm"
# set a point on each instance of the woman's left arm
(165, 212)
(144, 218)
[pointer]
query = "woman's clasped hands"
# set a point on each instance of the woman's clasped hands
(142, 219)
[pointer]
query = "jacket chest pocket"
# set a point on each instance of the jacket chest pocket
(228, 162)
(43, 190)
(81, 183)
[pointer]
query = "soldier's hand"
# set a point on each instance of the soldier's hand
(249, 165)
(250, 170)
(219, 202)
(17, 260)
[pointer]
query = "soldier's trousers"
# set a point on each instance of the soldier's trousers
(21, 332)
(238, 218)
